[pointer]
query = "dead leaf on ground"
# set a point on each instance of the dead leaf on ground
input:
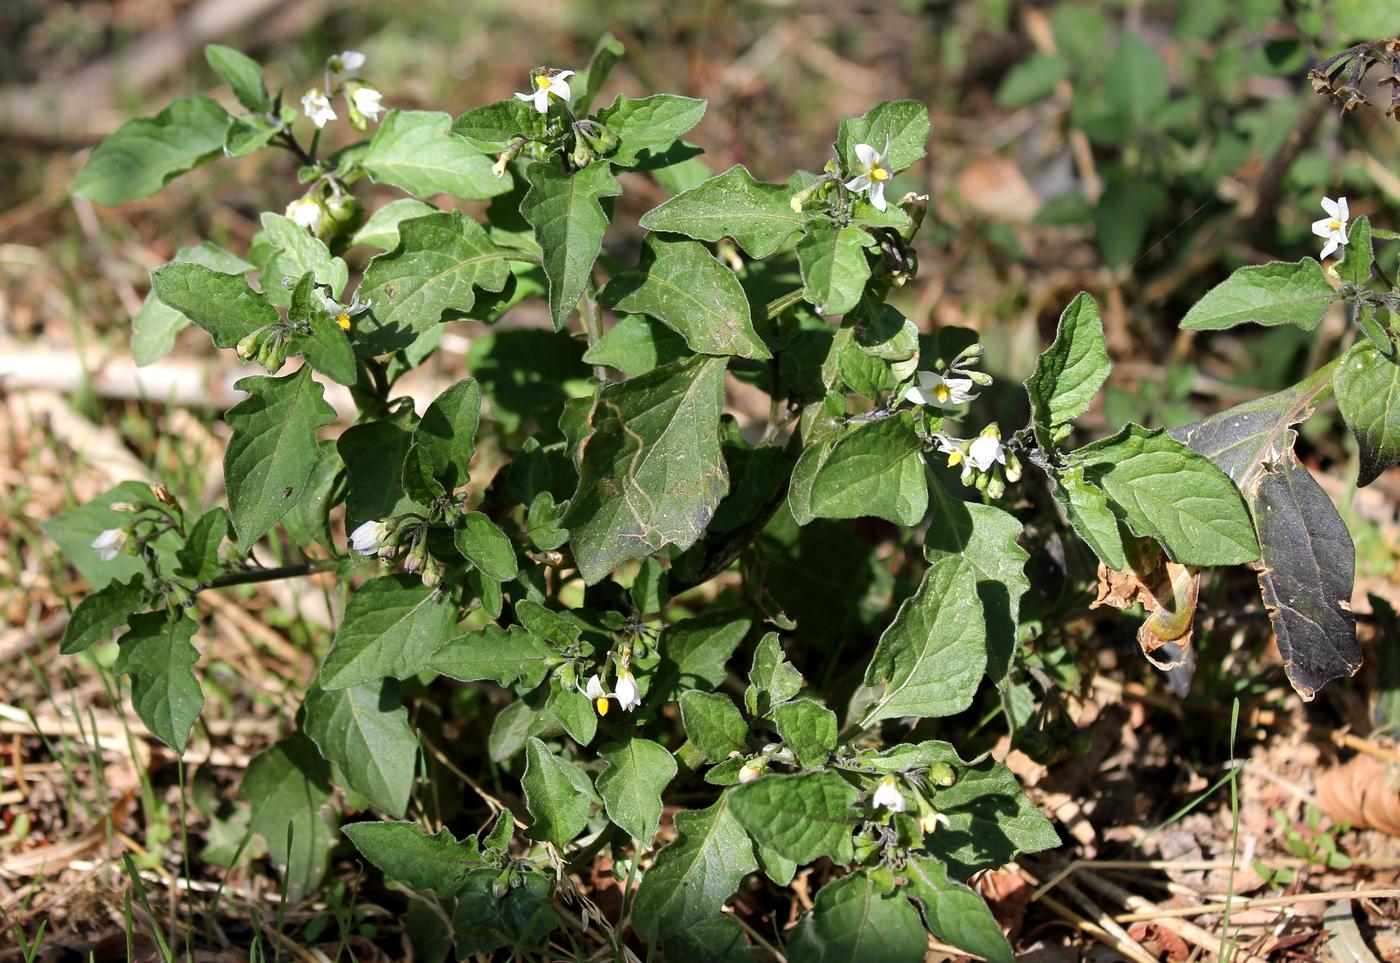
(1362, 792)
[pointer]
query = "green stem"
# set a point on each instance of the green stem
(249, 576)
(778, 305)
(592, 328)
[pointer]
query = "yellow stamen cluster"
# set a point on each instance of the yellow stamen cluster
(942, 393)
(1334, 225)
(878, 173)
(602, 705)
(343, 320)
(955, 458)
(543, 82)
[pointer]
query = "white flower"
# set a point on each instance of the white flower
(931, 820)
(109, 543)
(367, 101)
(594, 688)
(750, 771)
(318, 107)
(986, 451)
(626, 694)
(307, 213)
(369, 537)
(888, 796)
(548, 82)
(347, 60)
(1334, 226)
(934, 389)
(873, 173)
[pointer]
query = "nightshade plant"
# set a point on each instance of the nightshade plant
(675, 609)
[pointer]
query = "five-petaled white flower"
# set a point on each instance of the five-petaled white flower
(369, 537)
(109, 543)
(342, 314)
(626, 694)
(888, 796)
(1333, 227)
(307, 212)
(318, 107)
(872, 174)
(347, 60)
(952, 447)
(548, 83)
(986, 450)
(934, 389)
(367, 101)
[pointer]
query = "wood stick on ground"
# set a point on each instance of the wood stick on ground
(1263, 902)
(1184, 928)
(1131, 950)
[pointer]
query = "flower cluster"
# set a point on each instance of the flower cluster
(625, 691)
(892, 795)
(363, 101)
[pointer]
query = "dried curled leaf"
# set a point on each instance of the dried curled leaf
(1166, 590)
(1364, 792)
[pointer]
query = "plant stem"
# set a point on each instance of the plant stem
(778, 305)
(592, 328)
(252, 575)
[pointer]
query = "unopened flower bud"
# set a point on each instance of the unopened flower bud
(1013, 468)
(750, 771)
(162, 494)
(942, 775)
(995, 487)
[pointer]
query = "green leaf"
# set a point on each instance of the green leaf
(309, 519)
(432, 276)
(156, 652)
(652, 471)
(486, 547)
(155, 327)
(574, 711)
(1368, 396)
(1355, 267)
(933, 654)
(374, 453)
(682, 285)
(1279, 292)
(1166, 491)
(955, 913)
(242, 74)
(493, 127)
(403, 852)
(713, 723)
(834, 266)
(809, 730)
(382, 228)
(853, 922)
(363, 732)
(569, 221)
(289, 785)
(906, 124)
(802, 817)
(145, 154)
(199, 557)
(326, 348)
(101, 613)
(717, 939)
(416, 150)
(1071, 371)
(1034, 78)
(272, 450)
(695, 651)
(392, 627)
(695, 873)
(648, 124)
(755, 214)
(871, 469)
(990, 820)
(501, 655)
(557, 795)
(631, 786)
(222, 304)
(772, 678)
(986, 537)
(74, 531)
(446, 437)
(589, 81)
(1139, 86)
(636, 344)
(1086, 506)
(293, 252)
